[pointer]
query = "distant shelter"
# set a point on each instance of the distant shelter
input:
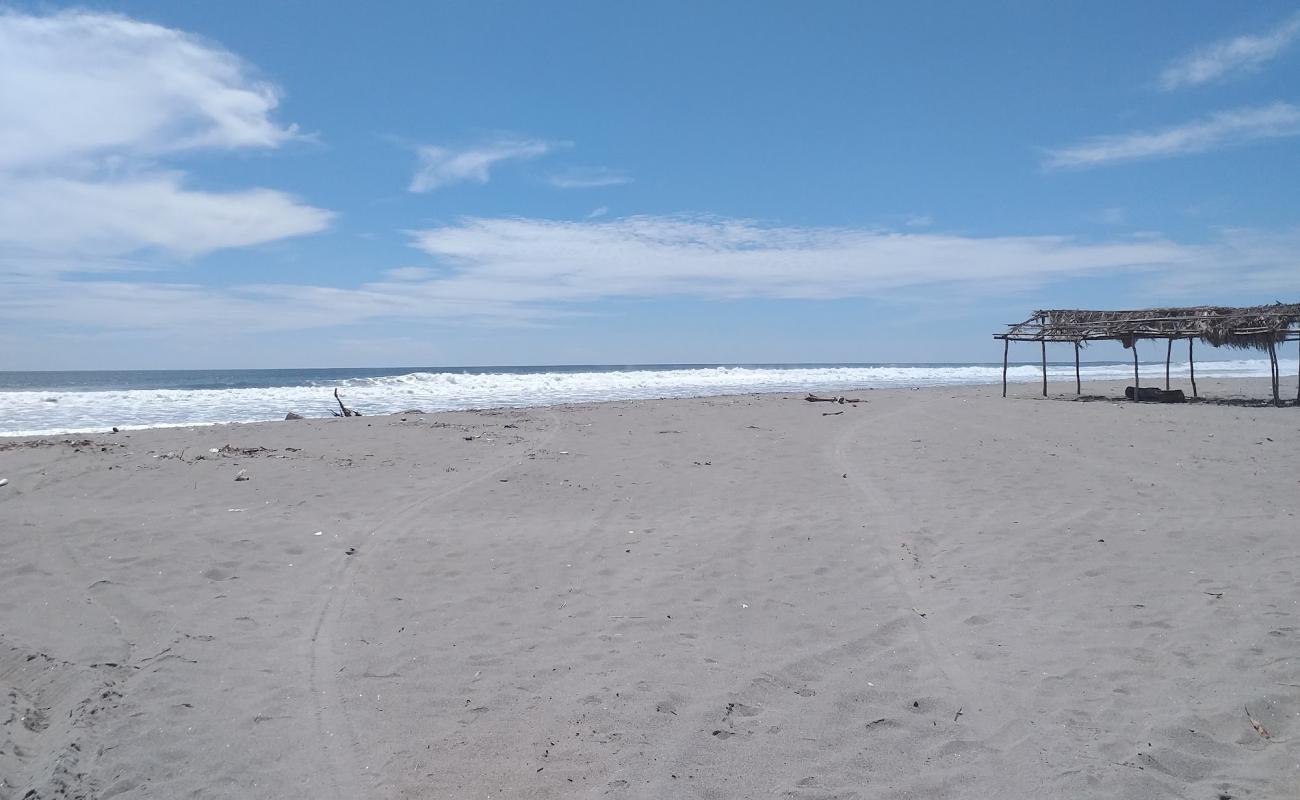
(1265, 328)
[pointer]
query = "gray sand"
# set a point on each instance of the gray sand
(934, 594)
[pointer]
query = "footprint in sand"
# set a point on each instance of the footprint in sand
(741, 710)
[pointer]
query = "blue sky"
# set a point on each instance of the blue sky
(244, 184)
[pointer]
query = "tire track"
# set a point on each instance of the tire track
(336, 735)
(925, 628)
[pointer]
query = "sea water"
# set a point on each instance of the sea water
(36, 403)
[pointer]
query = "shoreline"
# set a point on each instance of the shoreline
(937, 592)
(1221, 390)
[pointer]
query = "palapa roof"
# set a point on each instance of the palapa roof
(1250, 327)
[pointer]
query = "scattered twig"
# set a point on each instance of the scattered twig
(831, 413)
(958, 714)
(919, 612)
(231, 450)
(812, 398)
(1215, 595)
(1254, 723)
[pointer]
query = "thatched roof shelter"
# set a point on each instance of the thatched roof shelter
(1252, 327)
(1247, 328)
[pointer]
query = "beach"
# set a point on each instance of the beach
(932, 593)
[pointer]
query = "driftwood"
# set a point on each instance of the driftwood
(1156, 395)
(347, 412)
(812, 398)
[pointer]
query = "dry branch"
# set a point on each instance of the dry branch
(347, 412)
(812, 398)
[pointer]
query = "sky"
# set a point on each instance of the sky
(242, 185)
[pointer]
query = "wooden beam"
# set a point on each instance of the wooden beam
(1273, 373)
(1006, 345)
(1037, 320)
(1078, 386)
(1137, 385)
(1169, 354)
(1191, 365)
(1044, 343)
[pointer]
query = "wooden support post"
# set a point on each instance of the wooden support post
(1297, 389)
(1191, 365)
(1078, 385)
(1137, 384)
(1044, 344)
(1277, 377)
(1273, 372)
(1169, 355)
(1006, 345)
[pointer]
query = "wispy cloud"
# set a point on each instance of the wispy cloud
(530, 261)
(444, 166)
(1223, 129)
(589, 178)
(1230, 57)
(522, 271)
(89, 103)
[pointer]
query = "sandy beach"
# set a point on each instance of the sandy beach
(930, 594)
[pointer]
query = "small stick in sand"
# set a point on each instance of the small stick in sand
(1260, 729)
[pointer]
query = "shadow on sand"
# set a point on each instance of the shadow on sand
(1241, 402)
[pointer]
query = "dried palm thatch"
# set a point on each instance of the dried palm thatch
(1254, 327)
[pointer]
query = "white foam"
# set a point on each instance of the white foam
(31, 413)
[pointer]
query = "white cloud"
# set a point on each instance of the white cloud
(89, 104)
(116, 218)
(588, 178)
(1230, 57)
(1223, 129)
(525, 260)
(599, 211)
(444, 166)
(80, 86)
(523, 271)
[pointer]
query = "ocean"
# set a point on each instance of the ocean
(40, 403)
